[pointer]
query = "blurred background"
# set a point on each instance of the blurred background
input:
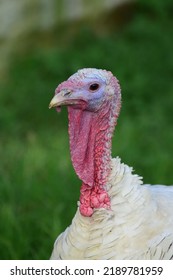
(43, 42)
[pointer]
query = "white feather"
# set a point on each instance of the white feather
(138, 226)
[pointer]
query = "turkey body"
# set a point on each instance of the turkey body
(139, 225)
(118, 217)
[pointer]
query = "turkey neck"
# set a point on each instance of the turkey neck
(90, 146)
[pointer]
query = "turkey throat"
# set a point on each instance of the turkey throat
(90, 136)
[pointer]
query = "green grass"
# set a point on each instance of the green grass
(38, 187)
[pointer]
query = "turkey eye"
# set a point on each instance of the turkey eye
(94, 87)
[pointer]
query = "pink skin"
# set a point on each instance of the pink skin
(90, 135)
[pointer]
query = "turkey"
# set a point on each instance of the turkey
(118, 217)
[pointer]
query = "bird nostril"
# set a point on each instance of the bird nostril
(66, 92)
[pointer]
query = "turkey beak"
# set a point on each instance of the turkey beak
(60, 99)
